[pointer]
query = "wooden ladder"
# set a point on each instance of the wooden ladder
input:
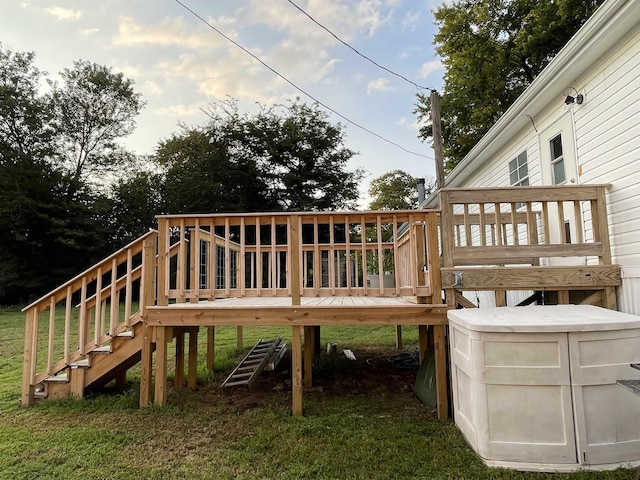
(252, 365)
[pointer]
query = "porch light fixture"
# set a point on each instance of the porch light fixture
(577, 98)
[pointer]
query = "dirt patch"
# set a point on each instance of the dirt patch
(386, 375)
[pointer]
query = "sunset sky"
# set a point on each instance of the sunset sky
(181, 65)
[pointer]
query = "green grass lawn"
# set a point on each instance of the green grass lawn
(203, 435)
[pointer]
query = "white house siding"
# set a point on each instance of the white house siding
(608, 140)
(606, 128)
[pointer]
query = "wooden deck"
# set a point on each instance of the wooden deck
(312, 311)
(305, 319)
(306, 270)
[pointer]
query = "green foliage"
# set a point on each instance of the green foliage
(94, 109)
(387, 436)
(209, 173)
(278, 159)
(396, 190)
(134, 203)
(52, 217)
(492, 50)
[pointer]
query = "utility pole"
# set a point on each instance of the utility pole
(437, 139)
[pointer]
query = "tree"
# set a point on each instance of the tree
(492, 50)
(133, 204)
(277, 159)
(25, 117)
(206, 173)
(49, 229)
(28, 185)
(94, 109)
(304, 159)
(396, 190)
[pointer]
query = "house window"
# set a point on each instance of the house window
(519, 171)
(557, 160)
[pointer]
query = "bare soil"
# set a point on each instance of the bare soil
(377, 373)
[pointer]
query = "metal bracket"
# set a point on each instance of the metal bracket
(457, 279)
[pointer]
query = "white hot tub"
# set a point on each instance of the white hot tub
(534, 388)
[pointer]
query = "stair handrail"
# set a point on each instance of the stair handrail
(93, 328)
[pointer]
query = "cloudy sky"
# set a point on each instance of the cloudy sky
(181, 65)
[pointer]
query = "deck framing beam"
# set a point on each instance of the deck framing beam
(184, 315)
(592, 277)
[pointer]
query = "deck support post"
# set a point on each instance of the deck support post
(296, 370)
(239, 337)
(423, 342)
(211, 348)
(146, 368)
(192, 381)
(317, 348)
(440, 349)
(309, 347)
(121, 379)
(179, 373)
(160, 396)
(399, 344)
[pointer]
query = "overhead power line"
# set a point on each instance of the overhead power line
(304, 92)
(420, 87)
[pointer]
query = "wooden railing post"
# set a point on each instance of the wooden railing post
(294, 249)
(447, 238)
(163, 262)
(148, 279)
(30, 356)
(601, 234)
(433, 257)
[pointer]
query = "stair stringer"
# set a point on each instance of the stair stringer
(125, 353)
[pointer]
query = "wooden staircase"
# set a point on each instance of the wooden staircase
(100, 366)
(90, 330)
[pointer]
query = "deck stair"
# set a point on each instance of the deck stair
(98, 367)
(252, 365)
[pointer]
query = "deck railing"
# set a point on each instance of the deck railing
(86, 312)
(530, 239)
(524, 225)
(293, 254)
